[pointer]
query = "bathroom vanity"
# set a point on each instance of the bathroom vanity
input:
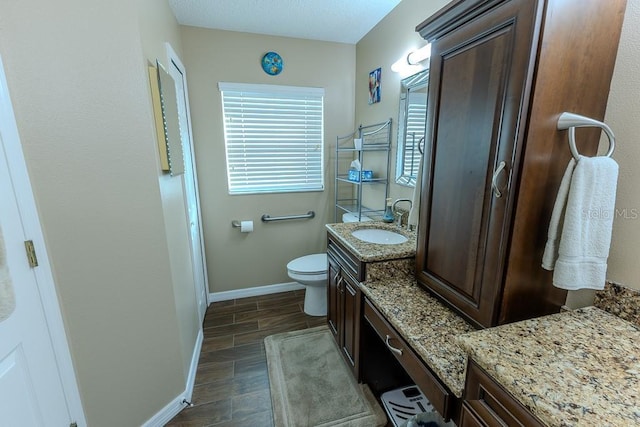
(348, 259)
(385, 324)
(572, 368)
(501, 73)
(557, 370)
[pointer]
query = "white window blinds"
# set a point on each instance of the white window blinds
(416, 117)
(273, 137)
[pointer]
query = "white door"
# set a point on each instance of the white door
(176, 70)
(32, 392)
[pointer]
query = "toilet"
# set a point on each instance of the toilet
(311, 271)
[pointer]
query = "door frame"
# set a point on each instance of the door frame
(25, 199)
(172, 56)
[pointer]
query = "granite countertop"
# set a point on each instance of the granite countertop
(574, 368)
(368, 252)
(426, 324)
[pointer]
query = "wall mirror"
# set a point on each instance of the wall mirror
(171, 127)
(412, 116)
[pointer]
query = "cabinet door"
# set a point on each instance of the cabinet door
(469, 419)
(333, 298)
(487, 403)
(350, 345)
(478, 86)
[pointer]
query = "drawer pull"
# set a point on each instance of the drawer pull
(494, 179)
(336, 276)
(397, 351)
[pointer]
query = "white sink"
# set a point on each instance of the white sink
(382, 237)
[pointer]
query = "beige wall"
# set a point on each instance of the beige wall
(393, 38)
(158, 26)
(77, 76)
(236, 260)
(623, 115)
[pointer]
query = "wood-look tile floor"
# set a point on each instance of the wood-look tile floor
(232, 382)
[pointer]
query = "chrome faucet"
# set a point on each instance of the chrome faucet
(393, 208)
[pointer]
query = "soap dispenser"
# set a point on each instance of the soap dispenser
(388, 212)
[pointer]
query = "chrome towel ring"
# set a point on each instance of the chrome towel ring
(571, 121)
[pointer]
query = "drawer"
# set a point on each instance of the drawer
(426, 380)
(486, 400)
(468, 418)
(345, 258)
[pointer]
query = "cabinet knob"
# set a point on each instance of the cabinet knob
(494, 180)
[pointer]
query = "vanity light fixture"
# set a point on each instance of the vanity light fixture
(417, 56)
(410, 63)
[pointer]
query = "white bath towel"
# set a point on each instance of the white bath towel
(586, 229)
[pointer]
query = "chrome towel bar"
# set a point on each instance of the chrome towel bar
(572, 121)
(308, 215)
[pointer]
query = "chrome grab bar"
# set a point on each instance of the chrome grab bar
(308, 215)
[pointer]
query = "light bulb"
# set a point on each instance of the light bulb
(417, 56)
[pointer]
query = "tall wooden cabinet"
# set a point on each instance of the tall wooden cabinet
(501, 73)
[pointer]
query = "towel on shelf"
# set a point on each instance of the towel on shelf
(585, 232)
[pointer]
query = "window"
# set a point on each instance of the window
(416, 121)
(273, 138)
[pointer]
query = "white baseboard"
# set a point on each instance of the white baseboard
(174, 407)
(165, 415)
(195, 357)
(255, 291)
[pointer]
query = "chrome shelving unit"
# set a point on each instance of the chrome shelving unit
(374, 155)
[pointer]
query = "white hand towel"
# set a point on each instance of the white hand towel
(557, 216)
(588, 221)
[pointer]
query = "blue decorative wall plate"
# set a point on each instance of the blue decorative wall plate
(272, 63)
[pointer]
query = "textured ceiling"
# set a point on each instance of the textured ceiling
(344, 21)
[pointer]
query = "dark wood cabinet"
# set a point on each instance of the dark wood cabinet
(486, 403)
(344, 302)
(501, 73)
(334, 317)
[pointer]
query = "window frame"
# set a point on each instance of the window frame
(293, 93)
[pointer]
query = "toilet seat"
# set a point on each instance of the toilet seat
(311, 265)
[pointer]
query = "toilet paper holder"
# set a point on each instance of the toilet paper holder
(244, 226)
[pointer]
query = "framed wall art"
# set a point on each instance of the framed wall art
(374, 85)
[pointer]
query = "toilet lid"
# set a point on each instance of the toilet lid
(309, 264)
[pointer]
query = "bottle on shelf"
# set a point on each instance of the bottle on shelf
(388, 212)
